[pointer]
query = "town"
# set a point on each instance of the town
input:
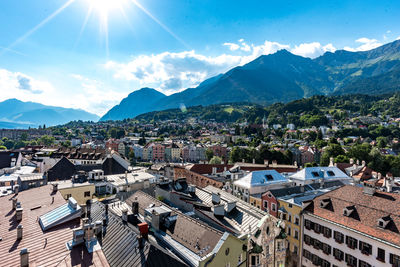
(197, 192)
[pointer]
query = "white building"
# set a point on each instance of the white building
(352, 226)
(312, 175)
(258, 182)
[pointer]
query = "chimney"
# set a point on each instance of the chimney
(214, 170)
(16, 189)
(379, 175)
(219, 210)
(363, 163)
(125, 215)
(140, 242)
(358, 162)
(14, 203)
(106, 211)
(18, 213)
(24, 256)
(216, 198)
(331, 162)
(55, 188)
(135, 207)
(98, 227)
(126, 175)
(351, 161)
(19, 232)
(266, 162)
(243, 161)
(225, 169)
(254, 161)
(274, 163)
(302, 188)
(369, 190)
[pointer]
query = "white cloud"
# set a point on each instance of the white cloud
(21, 86)
(398, 38)
(366, 44)
(312, 50)
(232, 46)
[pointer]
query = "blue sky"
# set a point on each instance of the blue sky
(55, 52)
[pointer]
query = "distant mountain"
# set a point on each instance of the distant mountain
(282, 77)
(135, 103)
(18, 114)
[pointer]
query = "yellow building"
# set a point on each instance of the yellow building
(255, 200)
(291, 213)
(81, 192)
(230, 253)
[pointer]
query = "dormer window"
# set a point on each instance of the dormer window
(330, 173)
(269, 177)
(384, 221)
(325, 202)
(348, 211)
(315, 174)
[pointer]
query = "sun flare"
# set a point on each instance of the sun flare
(104, 7)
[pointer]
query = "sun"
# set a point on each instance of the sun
(104, 7)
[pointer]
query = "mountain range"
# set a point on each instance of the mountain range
(279, 77)
(18, 114)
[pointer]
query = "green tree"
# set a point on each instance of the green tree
(215, 160)
(209, 154)
(46, 140)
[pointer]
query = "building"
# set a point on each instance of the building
(197, 179)
(123, 245)
(81, 192)
(352, 226)
(312, 175)
(193, 241)
(158, 152)
(258, 182)
(28, 238)
(173, 153)
(127, 182)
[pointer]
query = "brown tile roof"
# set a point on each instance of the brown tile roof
(45, 248)
(207, 168)
(187, 230)
(369, 209)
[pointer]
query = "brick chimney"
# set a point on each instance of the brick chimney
(19, 232)
(24, 256)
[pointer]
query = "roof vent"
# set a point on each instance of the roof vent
(18, 213)
(135, 207)
(369, 190)
(16, 189)
(384, 221)
(55, 188)
(325, 202)
(14, 203)
(348, 210)
(230, 206)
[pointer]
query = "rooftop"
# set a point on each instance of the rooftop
(261, 178)
(46, 248)
(315, 173)
(370, 208)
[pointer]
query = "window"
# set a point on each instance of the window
(365, 248)
(296, 234)
(283, 216)
(317, 244)
(316, 260)
(351, 242)
(363, 264)
(67, 196)
(86, 194)
(279, 246)
(327, 232)
(326, 249)
(290, 205)
(338, 254)
(295, 249)
(325, 263)
(307, 239)
(296, 220)
(266, 205)
(339, 237)
(307, 224)
(351, 260)
(289, 231)
(289, 217)
(315, 174)
(255, 260)
(267, 249)
(307, 254)
(394, 260)
(381, 255)
(269, 177)
(317, 228)
(240, 258)
(273, 207)
(331, 173)
(228, 264)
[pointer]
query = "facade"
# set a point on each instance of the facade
(196, 178)
(138, 151)
(81, 192)
(158, 152)
(352, 226)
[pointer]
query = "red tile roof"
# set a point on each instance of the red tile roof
(45, 248)
(369, 209)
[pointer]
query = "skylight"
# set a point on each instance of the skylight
(64, 213)
(315, 174)
(331, 173)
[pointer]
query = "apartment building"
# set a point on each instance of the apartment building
(352, 226)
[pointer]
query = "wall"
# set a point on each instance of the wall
(77, 192)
